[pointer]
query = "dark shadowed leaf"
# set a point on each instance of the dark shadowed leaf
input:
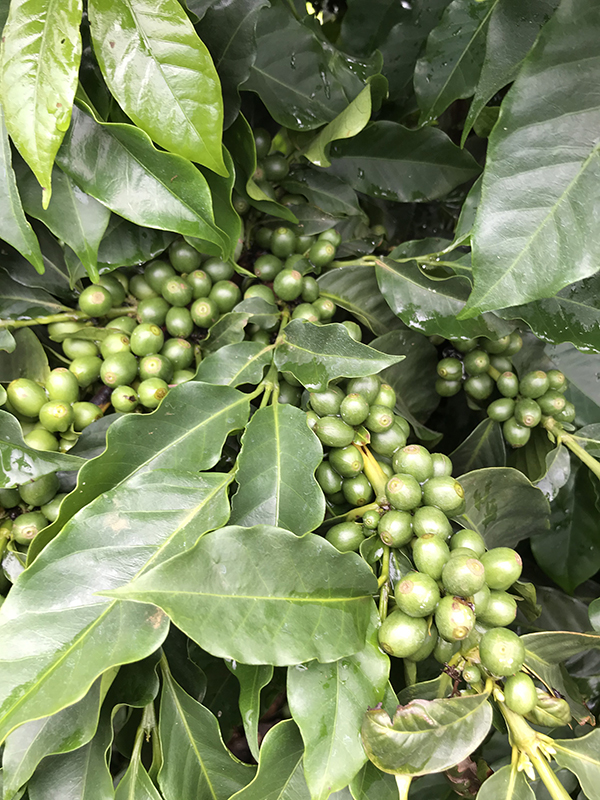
(532, 459)
(324, 191)
(126, 244)
(26, 360)
(484, 447)
(25, 302)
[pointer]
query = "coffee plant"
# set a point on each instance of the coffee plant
(300, 400)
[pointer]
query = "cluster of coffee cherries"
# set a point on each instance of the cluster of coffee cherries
(25, 510)
(483, 368)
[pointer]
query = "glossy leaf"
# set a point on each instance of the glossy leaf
(504, 506)
(73, 216)
(569, 553)
(227, 219)
(228, 329)
(512, 29)
(21, 463)
(280, 775)
(14, 227)
(484, 447)
(317, 354)
(532, 191)
(40, 58)
(24, 302)
(355, 289)
(426, 735)
(7, 344)
(125, 244)
(364, 29)
(594, 612)
(196, 762)
(391, 162)
(186, 432)
(76, 634)
(313, 602)
(235, 364)
(431, 305)
(55, 279)
(580, 756)
(252, 679)
(450, 68)
(532, 459)
(303, 80)
(228, 29)
(162, 191)
(466, 220)
(580, 369)
(372, 784)
(506, 784)
(162, 75)
(135, 783)
(558, 469)
(26, 360)
(324, 191)
(277, 486)
(328, 703)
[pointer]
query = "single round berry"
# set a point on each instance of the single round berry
(368, 386)
(417, 594)
(153, 311)
(26, 397)
(151, 392)
(51, 510)
(115, 287)
(124, 399)
(481, 600)
(41, 439)
(262, 237)
(346, 537)
(450, 369)
(56, 416)
(288, 285)
(470, 539)
(177, 292)
(156, 273)
(226, 295)
(471, 673)
(568, 413)
(463, 575)
(40, 491)
(354, 409)
(464, 345)
(181, 376)
(557, 380)
(444, 650)
(501, 652)
(445, 493)
(327, 401)
(331, 235)
(183, 256)
(260, 290)
(328, 479)
(353, 329)
(502, 409)
(534, 384)
(86, 370)
(441, 465)
(515, 343)
(503, 566)
(395, 528)
(454, 618)
(321, 253)
(84, 414)
(218, 270)
(205, 312)
(9, 498)
(552, 402)
(479, 387)
(79, 348)
(346, 461)
(447, 388)
(262, 142)
(358, 491)
(371, 519)
(310, 289)
(140, 288)
(306, 311)
(527, 412)
(516, 435)
(520, 694)
(96, 301)
(496, 346)
(333, 432)
(276, 167)
(389, 441)
(403, 492)
(62, 385)
(430, 553)
(500, 611)
(401, 635)
(476, 362)
(290, 395)
(267, 267)
(179, 352)
(27, 526)
(415, 460)
(155, 366)
(200, 283)
(429, 520)
(119, 369)
(379, 419)
(283, 242)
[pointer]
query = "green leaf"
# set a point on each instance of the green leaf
(41, 50)
(228, 329)
(236, 364)
(27, 360)
(426, 735)
(484, 447)
(55, 278)
(558, 469)
(328, 702)
(135, 783)
(280, 775)
(162, 75)
(125, 244)
(431, 305)
(532, 459)
(228, 29)
(276, 472)
(21, 463)
(301, 78)
(569, 553)
(186, 432)
(506, 784)
(531, 190)
(252, 679)
(594, 612)
(323, 190)
(73, 216)
(63, 732)
(355, 289)
(8, 344)
(25, 302)
(372, 784)
(317, 354)
(466, 220)
(53, 651)
(227, 219)
(512, 29)
(391, 162)
(580, 756)
(364, 29)
(580, 369)
(196, 763)
(14, 227)
(452, 63)
(162, 191)
(312, 602)
(503, 506)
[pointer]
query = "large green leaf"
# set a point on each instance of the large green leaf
(512, 29)
(186, 432)
(328, 703)
(235, 364)
(252, 679)
(55, 278)
(317, 354)
(161, 74)
(14, 227)
(73, 216)
(125, 244)
(355, 289)
(426, 735)
(533, 191)
(136, 783)
(53, 650)
(20, 463)
(506, 784)
(276, 472)
(311, 602)
(27, 359)
(227, 219)
(580, 756)
(372, 784)
(196, 763)
(301, 78)
(324, 191)
(162, 191)
(389, 161)
(39, 60)
(280, 775)
(484, 447)
(18, 301)
(504, 506)
(570, 553)
(228, 329)
(228, 29)
(364, 28)
(452, 63)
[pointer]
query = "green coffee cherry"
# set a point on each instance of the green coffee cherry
(386, 396)
(501, 651)
(471, 673)
(140, 288)
(395, 528)
(124, 399)
(371, 519)
(515, 343)
(179, 352)
(328, 401)
(549, 711)
(119, 369)
(27, 526)
(441, 465)
(501, 363)
(557, 380)
(476, 362)
(430, 553)
(503, 566)
(346, 537)
(62, 385)
(334, 432)
(427, 647)
(183, 256)
(552, 402)
(205, 312)
(354, 409)
(155, 366)
(401, 635)
(520, 694)
(358, 491)
(26, 397)
(527, 412)
(403, 492)
(389, 441)
(40, 491)
(444, 650)
(84, 414)
(496, 345)
(325, 308)
(516, 435)
(379, 419)
(86, 370)
(462, 576)
(470, 539)
(568, 413)
(79, 348)
(464, 345)
(267, 267)
(56, 416)
(368, 386)
(481, 600)
(61, 328)
(177, 292)
(445, 493)
(114, 343)
(321, 253)
(500, 611)
(41, 439)
(179, 322)
(502, 409)
(276, 169)
(151, 392)
(450, 369)
(479, 387)
(51, 510)
(96, 301)
(448, 388)
(417, 594)
(115, 287)
(288, 284)
(181, 376)
(331, 235)
(305, 311)
(262, 237)
(428, 521)
(328, 479)
(153, 311)
(454, 619)
(310, 289)
(200, 282)
(156, 273)
(415, 460)
(262, 141)
(260, 290)
(226, 295)
(534, 384)
(346, 461)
